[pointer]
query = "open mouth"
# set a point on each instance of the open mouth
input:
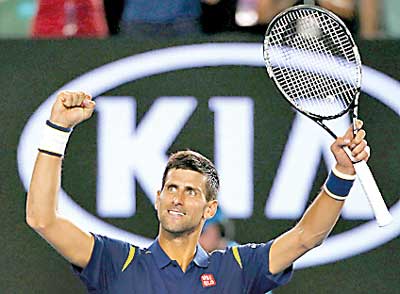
(175, 213)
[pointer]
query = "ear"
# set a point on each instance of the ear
(157, 203)
(211, 209)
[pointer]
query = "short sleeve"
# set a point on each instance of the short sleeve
(105, 263)
(255, 260)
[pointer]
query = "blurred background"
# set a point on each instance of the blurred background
(46, 44)
(369, 19)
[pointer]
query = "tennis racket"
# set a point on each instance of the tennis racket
(314, 62)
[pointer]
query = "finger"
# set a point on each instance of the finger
(364, 155)
(86, 98)
(342, 141)
(75, 99)
(89, 104)
(64, 95)
(368, 150)
(61, 97)
(358, 138)
(80, 97)
(350, 131)
(67, 99)
(359, 148)
(88, 108)
(339, 143)
(359, 124)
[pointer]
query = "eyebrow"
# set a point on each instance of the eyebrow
(186, 187)
(192, 188)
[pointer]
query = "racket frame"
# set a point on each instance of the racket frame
(377, 203)
(352, 108)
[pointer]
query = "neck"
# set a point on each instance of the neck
(181, 248)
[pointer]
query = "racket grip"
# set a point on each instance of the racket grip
(375, 199)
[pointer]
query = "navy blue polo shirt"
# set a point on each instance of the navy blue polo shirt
(119, 268)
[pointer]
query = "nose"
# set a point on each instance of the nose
(177, 199)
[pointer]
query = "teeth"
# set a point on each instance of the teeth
(175, 212)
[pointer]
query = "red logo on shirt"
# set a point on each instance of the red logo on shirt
(208, 280)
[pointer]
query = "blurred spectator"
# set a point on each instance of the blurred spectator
(179, 18)
(169, 18)
(16, 17)
(370, 11)
(69, 18)
(345, 9)
(391, 10)
(113, 10)
(254, 15)
(218, 16)
(161, 18)
(265, 12)
(218, 233)
(267, 9)
(362, 17)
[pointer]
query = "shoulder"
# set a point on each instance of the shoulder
(110, 258)
(254, 248)
(110, 243)
(114, 248)
(227, 257)
(114, 253)
(254, 261)
(250, 253)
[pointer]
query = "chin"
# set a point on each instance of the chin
(179, 231)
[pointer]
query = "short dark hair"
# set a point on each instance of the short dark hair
(192, 160)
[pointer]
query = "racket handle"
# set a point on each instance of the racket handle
(375, 199)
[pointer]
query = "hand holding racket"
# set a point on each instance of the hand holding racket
(313, 60)
(354, 142)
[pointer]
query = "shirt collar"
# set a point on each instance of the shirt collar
(201, 257)
(162, 259)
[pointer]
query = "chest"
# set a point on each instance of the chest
(144, 278)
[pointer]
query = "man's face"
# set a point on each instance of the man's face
(181, 205)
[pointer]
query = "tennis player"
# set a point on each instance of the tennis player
(175, 262)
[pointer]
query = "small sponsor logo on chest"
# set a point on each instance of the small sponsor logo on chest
(208, 280)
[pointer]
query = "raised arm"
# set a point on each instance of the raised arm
(74, 244)
(322, 215)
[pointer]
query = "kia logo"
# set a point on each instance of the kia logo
(235, 116)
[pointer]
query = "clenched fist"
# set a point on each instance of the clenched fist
(71, 108)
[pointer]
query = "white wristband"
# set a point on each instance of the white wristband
(343, 175)
(54, 139)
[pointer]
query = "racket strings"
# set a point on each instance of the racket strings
(314, 62)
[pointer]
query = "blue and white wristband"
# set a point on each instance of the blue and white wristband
(54, 139)
(338, 185)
